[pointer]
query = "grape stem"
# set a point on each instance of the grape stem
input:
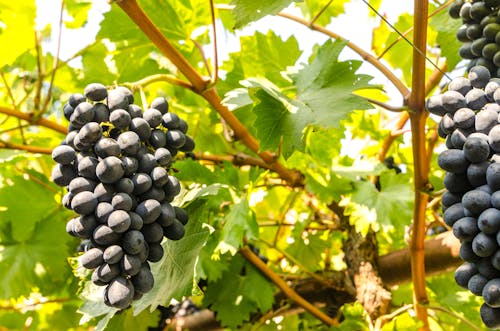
(27, 148)
(281, 284)
(28, 117)
(416, 102)
(206, 89)
(158, 78)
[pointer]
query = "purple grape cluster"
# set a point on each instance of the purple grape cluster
(479, 33)
(115, 163)
(470, 111)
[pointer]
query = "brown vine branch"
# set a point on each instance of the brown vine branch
(385, 105)
(416, 102)
(215, 76)
(27, 148)
(282, 285)
(238, 159)
(203, 87)
(27, 117)
(158, 78)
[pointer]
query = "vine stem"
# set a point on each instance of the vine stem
(206, 89)
(282, 285)
(27, 148)
(416, 102)
(27, 117)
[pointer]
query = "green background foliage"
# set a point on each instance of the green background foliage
(306, 104)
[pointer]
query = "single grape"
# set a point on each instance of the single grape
(142, 183)
(133, 241)
(465, 229)
(476, 201)
(479, 76)
(122, 201)
(92, 258)
(464, 273)
(143, 281)
(491, 293)
(95, 92)
(490, 316)
(119, 221)
(130, 264)
(453, 160)
(149, 210)
(110, 170)
(117, 99)
(87, 166)
(476, 284)
(104, 235)
(104, 192)
(120, 118)
(84, 203)
(112, 254)
(129, 143)
(63, 154)
(107, 147)
(489, 221)
(62, 175)
(155, 252)
(181, 215)
(153, 232)
(484, 245)
(141, 127)
(120, 293)
(106, 272)
(160, 104)
(126, 185)
(175, 231)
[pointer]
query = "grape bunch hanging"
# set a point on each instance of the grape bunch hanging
(115, 164)
(470, 111)
(479, 33)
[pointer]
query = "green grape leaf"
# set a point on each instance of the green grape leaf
(240, 291)
(78, 11)
(246, 11)
(175, 271)
(127, 320)
(279, 121)
(262, 55)
(24, 203)
(446, 28)
(326, 86)
(95, 68)
(392, 206)
(240, 223)
(384, 37)
(309, 250)
(310, 8)
(39, 261)
(17, 21)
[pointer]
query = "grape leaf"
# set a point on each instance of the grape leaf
(175, 271)
(446, 28)
(240, 223)
(78, 11)
(308, 251)
(391, 206)
(240, 291)
(39, 261)
(25, 202)
(246, 11)
(262, 55)
(17, 20)
(279, 120)
(326, 82)
(310, 8)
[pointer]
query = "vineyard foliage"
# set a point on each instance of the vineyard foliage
(332, 159)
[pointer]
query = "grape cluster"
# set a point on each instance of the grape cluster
(470, 111)
(479, 33)
(115, 164)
